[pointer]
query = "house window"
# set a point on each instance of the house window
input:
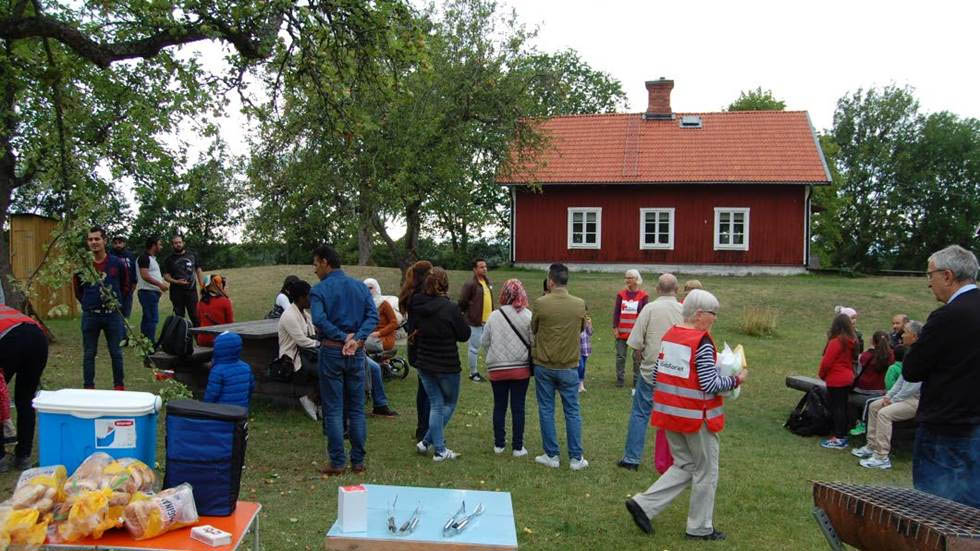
(657, 229)
(584, 228)
(731, 229)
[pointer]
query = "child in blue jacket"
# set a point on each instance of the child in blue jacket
(231, 380)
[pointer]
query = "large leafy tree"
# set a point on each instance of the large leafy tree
(757, 100)
(904, 183)
(89, 91)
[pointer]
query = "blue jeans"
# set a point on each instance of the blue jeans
(565, 381)
(150, 301)
(581, 368)
(443, 391)
(476, 339)
(112, 325)
(377, 385)
(342, 384)
(517, 392)
(636, 429)
(127, 305)
(948, 466)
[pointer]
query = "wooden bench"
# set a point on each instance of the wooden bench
(200, 356)
(902, 432)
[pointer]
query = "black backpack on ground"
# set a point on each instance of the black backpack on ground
(175, 337)
(811, 416)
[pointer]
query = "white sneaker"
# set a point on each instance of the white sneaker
(308, 406)
(448, 454)
(422, 447)
(633, 392)
(874, 462)
(578, 464)
(547, 460)
(863, 452)
(520, 453)
(9, 429)
(498, 451)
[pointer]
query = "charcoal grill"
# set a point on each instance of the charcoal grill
(885, 518)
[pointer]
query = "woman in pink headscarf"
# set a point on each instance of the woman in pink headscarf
(507, 340)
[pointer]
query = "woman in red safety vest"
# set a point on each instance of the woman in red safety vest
(687, 405)
(629, 302)
(23, 354)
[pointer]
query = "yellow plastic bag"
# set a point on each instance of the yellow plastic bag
(20, 528)
(40, 488)
(90, 515)
(150, 516)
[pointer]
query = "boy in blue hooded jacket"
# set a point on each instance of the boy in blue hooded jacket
(231, 380)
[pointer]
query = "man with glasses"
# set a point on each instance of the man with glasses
(946, 359)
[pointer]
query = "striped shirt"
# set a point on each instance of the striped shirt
(585, 341)
(709, 378)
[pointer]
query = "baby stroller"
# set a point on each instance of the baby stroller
(392, 367)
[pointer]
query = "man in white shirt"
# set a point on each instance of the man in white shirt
(654, 320)
(150, 285)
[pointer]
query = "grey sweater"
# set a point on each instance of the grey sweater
(504, 348)
(903, 390)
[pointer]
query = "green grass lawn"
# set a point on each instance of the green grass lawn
(764, 494)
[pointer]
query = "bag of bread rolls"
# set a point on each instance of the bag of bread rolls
(20, 529)
(40, 488)
(90, 514)
(141, 477)
(148, 516)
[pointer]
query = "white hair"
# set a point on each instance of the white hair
(914, 327)
(699, 300)
(958, 260)
(636, 274)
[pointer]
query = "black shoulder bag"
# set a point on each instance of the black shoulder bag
(530, 357)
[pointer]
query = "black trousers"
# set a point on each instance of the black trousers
(837, 402)
(185, 303)
(24, 355)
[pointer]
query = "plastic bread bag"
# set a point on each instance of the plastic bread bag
(149, 516)
(20, 529)
(141, 477)
(100, 471)
(89, 515)
(728, 366)
(40, 488)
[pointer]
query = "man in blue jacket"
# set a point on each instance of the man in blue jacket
(98, 314)
(344, 315)
(231, 380)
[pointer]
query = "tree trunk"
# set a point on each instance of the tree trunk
(364, 245)
(413, 226)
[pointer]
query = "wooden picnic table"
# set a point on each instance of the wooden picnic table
(247, 330)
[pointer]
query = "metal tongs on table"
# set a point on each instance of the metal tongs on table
(409, 525)
(460, 520)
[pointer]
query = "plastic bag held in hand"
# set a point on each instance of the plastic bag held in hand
(730, 363)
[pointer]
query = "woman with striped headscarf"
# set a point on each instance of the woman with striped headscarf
(507, 339)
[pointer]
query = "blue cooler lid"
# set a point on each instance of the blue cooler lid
(90, 404)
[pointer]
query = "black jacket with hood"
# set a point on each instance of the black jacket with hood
(438, 325)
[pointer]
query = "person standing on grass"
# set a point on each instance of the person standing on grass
(182, 270)
(629, 302)
(837, 372)
(687, 405)
(585, 349)
(439, 325)
(898, 404)
(507, 340)
(414, 281)
(119, 251)
(150, 287)
(476, 303)
(946, 360)
(99, 317)
(344, 316)
(655, 320)
(23, 355)
(556, 324)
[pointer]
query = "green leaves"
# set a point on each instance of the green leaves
(756, 100)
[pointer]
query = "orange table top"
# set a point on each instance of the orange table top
(179, 540)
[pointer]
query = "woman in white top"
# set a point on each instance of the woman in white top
(297, 337)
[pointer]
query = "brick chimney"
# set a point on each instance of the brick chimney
(658, 99)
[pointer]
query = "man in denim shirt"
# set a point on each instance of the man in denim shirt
(97, 315)
(344, 315)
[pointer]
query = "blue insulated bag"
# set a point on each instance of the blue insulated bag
(206, 448)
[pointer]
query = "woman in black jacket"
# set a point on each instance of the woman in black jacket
(438, 326)
(414, 279)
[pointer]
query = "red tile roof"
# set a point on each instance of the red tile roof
(742, 146)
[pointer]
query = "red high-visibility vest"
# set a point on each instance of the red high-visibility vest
(629, 310)
(679, 404)
(10, 317)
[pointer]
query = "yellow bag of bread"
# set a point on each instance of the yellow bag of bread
(20, 528)
(149, 516)
(141, 477)
(90, 514)
(40, 488)
(100, 471)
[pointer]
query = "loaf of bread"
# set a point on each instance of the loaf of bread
(148, 516)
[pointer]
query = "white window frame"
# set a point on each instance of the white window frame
(598, 227)
(731, 210)
(670, 231)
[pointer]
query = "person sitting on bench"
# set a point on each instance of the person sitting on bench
(899, 404)
(231, 380)
(214, 307)
(297, 341)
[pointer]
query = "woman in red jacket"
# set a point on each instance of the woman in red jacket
(214, 308)
(837, 371)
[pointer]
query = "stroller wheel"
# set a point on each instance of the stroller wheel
(398, 367)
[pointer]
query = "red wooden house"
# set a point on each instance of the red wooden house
(689, 192)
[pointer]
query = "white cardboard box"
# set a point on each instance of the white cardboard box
(352, 508)
(210, 535)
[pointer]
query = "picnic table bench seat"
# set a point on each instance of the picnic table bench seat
(903, 431)
(163, 360)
